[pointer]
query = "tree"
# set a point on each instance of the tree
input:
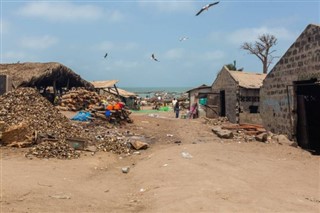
(262, 49)
(233, 67)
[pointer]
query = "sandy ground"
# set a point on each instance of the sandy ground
(185, 169)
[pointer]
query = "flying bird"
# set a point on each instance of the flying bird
(153, 57)
(206, 7)
(105, 56)
(183, 38)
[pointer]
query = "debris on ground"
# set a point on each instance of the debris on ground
(245, 132)
(27, 119)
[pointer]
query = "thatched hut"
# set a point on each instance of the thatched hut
(43, 75)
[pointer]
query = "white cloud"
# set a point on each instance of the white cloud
(105, 46)
(61, 11)
(115, 16)
(168, 6)
(217, 36)
(174, 53)
(251, 34)
(38, 42)
(213, 55)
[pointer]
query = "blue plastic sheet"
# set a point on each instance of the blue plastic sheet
(81, 116)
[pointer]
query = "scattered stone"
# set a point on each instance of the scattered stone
(283, 140)
(223, 133)
(139, 145)
(90, 148)
(125, 169)
(263, 137)
(136, 153)
(17, 134)
(48, 149)
(186, 155)
(216, 129)
(62, 196)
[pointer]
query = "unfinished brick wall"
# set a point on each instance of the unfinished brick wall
(277, 96)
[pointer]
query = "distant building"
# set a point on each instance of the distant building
(109, 86)
(290, 95)
(236, 95)
(200, 95)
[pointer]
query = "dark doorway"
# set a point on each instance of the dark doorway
(222, 103)
(308, 110)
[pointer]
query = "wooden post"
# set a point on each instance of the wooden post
(117, 91)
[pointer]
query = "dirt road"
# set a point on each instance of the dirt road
(185, 169)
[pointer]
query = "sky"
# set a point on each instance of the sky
(78, 34)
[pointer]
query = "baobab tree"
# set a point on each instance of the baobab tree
(262, 49)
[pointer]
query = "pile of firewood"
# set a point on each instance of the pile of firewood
(80, 99)
(116, 116)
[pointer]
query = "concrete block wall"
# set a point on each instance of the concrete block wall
(277, 96)
(244, 105)
(225, 82)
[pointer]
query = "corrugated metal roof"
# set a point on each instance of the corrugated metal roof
(248, 80)
(104, 84)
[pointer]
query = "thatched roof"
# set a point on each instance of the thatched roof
(123, 93)
(104, 84)
(43, 74)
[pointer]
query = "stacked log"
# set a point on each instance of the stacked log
(116, 116)
(80, 99)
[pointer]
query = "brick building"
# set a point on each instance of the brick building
(200, 95)
(290, 95)
(238, 95)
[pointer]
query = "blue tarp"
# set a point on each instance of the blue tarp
(81, 116)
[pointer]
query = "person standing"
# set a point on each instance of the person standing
(194, 111)
(174, 101)
(177, 109)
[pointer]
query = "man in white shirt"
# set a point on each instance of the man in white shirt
(174, 101)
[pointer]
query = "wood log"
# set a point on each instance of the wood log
(247, 132)
(248, 124)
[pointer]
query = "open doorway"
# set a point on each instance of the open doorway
(308, 111)
(222, 103)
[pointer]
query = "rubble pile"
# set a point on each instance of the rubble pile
(114, 145)
(248, 129)
(80, 98)
(244, 131)
(28, 119)
(216, 121)
(25, 109)
(49, 149)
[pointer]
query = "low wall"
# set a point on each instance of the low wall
(252, 118)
